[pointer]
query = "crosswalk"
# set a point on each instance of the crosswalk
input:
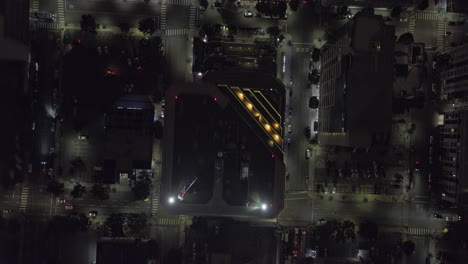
(411, 25)
(419, 231)
(162, 21)
(61, 11)
(193, 16)
(425, 15)
(34, 6)
(176, 32)
(167, 221)
(154, 203)
(47, 25)
(440, 34)
(299, 49)
(24, 199)
(179, 2)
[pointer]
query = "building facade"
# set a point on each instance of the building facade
(453, 181)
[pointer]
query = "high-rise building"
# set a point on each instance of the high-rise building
(356, 83)
(14, 53)
(453, 163)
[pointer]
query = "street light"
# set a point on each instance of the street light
(264, 207)
(171, 200)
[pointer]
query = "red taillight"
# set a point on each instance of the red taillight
(176, 97)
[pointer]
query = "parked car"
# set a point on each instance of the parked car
(308, 153)
(248, 13)
(316, 124)
(69, 207)
(106, 50)
(99, 50)
(92, 214)
(437, 216)
(313, 102)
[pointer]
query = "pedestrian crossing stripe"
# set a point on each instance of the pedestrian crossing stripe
(419, 231)
(427, 15)
(24, 199)
(47, 25)
(179, 2)
(168, 221)
(176, 32)
(440, 33)
(163, 17)
(193, 16)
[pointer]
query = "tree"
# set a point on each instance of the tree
(342, 11)
(88, 23)
(273, 31)
(315, 55)
(114, 224)
(368, 230)
(204, 3)
(158, 129)
(147, 26)
(349, 229)
(396, 12)
(124, 27)
(69, 223)
(408, 247)
(406, 38)
(78, 191)
(294, 5)
(55, 187)
(101, 191)
(137, 223)
(141, 190)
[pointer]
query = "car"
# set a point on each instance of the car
(437, 216)
(340, 173)
(307, 132)
(82, 137)
(7, 211)
(334, 190)
(50, 172)
(92, 214)
(106, 49)
(313, 102)
(50, 17)
(248, 13)
(452, 218)
(69, 207)
(289, 128)
(62, 200)
(290, 112)
(129, 62)
(316, 124)
(308, 153)
(434, 64)
(307, 179)
(99, 50)
(287, 175)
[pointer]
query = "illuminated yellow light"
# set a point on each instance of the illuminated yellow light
(241, 95)
(267, 127)
(249, 106)
(276, 137)
(275, 125)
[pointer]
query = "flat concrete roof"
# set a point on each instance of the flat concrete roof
(205, 137)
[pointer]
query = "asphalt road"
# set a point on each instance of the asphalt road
(110, 13)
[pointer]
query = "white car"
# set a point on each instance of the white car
(289, 128)
(99, 50)
(248, 13)
(308, 153)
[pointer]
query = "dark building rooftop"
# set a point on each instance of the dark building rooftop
(214, 141)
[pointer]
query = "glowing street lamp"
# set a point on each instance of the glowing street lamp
(263, 207)
(171, 200)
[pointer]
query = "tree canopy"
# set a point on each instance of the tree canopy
(147, 26)
(55, 187)
(88, 23)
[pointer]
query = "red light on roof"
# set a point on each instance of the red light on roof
(176, 97)
(272, 155)
(216, 99)
(139, 68)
